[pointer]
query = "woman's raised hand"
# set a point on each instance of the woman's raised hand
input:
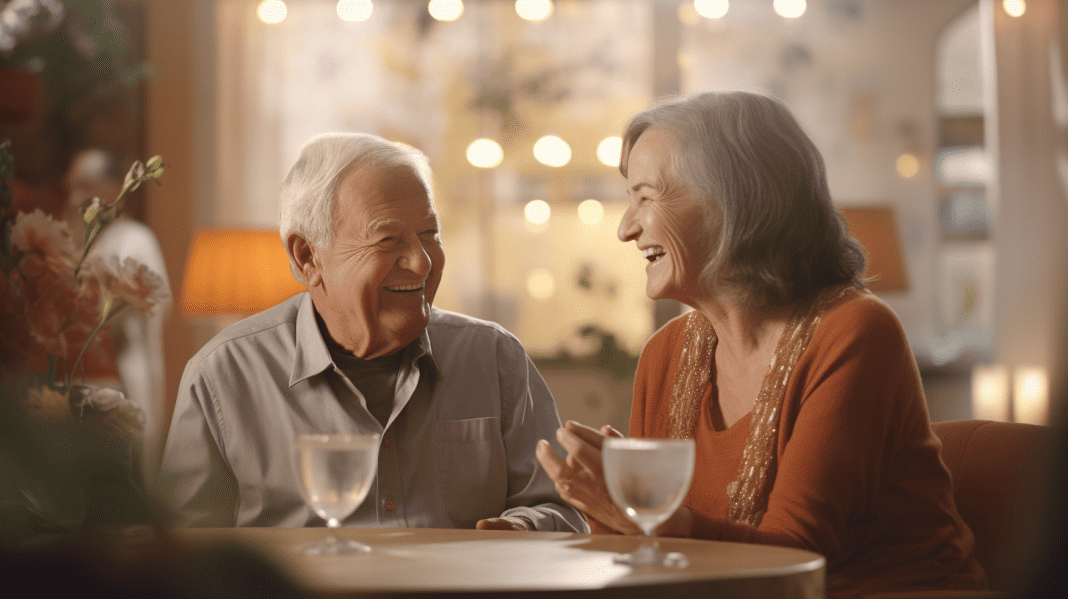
(579, 477)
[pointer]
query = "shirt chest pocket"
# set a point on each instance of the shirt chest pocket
(472, 469)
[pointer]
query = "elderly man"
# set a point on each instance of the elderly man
(457, 402)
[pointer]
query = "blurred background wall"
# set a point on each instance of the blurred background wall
(944, 125)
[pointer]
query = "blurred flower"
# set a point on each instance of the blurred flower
(48, 405)
(50, 307)
(46, 239)
(108, 407)
(128, 281)
(90, 211)
(155, 166)
(133, 178)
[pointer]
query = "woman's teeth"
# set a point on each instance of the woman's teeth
(412, 287)
(652, 254)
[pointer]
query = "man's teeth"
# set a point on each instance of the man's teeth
(411, 287)
(652, 253)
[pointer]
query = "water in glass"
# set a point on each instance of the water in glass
(335, 472)
(648, 479)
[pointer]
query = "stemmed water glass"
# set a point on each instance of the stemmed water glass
(648, 479)
(335, 472)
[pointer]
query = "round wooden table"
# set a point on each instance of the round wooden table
(437, 562)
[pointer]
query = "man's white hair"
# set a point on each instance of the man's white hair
(307, 200)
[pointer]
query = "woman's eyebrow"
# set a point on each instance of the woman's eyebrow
(637, 186)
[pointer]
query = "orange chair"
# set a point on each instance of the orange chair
(991, 464)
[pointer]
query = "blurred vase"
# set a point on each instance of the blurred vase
(66, 475)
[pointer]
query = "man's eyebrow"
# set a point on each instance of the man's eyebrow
(385, 223)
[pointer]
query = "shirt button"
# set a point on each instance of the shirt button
(385, 443)
(389, 506)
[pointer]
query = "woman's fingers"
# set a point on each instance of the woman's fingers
(550, 462)
(570, 481)
(608, 431)
(588, 434)
(577, 485)
(580, 453)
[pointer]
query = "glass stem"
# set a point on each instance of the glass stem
(649, 547)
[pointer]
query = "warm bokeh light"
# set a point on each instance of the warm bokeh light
(791, 9)
(688, 14)
(272, 11)
(590, 212)
(552, 151)
(485, 153)
(714, 9)
(540, 284)
(534, 10)
(990, 392)
(908, 165)
(609, 149)
(685, 60)
(355, 10)
(537, 212)
(1030, 394)
(445, 10)
(1014, 8)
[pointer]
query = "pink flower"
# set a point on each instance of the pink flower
(128, 281)
(52, 304)
(45, 241)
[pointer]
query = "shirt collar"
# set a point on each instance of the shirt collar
(312, 357)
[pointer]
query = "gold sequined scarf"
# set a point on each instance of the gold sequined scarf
(749, 492)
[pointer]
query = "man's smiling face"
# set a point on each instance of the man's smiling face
(381, 272)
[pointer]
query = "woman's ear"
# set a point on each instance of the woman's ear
(303, 260)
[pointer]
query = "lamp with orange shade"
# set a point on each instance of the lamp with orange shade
(236, 272)
(875, 229)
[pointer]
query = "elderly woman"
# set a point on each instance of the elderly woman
(796, 384)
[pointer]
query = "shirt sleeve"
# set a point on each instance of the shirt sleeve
(860, 391)
(529, 415)
(194, 474)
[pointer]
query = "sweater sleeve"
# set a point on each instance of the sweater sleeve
(850, 401)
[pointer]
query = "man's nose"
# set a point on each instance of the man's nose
(416, 259)
(628, 225)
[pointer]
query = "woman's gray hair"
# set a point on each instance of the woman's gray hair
(307, 200)
(761, 182)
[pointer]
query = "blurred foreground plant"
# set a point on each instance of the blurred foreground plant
(67, 449)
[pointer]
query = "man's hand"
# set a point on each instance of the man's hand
(505, 523)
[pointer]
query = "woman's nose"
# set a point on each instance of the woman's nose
(628, 225)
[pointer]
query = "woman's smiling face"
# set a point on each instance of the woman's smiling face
(664, 220)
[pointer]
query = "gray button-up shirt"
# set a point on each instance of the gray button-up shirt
(458, 447)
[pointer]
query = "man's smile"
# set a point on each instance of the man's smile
(409, 288)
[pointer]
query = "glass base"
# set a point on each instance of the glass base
(651, 555)
(335, 546)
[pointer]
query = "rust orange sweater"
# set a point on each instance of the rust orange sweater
(858, 476)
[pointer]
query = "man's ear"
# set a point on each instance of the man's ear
(303, 260)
